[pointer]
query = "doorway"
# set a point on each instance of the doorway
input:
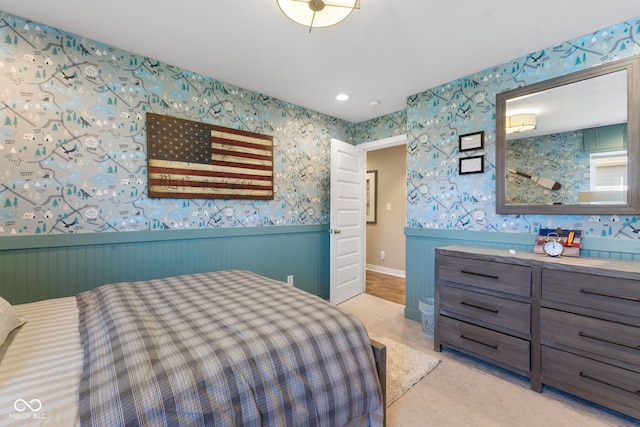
(386, 219)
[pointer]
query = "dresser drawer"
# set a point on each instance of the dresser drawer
(614, 387)
(604, 340)
(592, 292)
(494, 312)
(502, 349)
(494, 276)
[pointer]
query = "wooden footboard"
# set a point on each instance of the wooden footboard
(380, 356)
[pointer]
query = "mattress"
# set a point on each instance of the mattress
(40, 365)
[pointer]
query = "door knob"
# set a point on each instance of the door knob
(334, 231)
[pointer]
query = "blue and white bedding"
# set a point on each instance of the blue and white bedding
(40, 366)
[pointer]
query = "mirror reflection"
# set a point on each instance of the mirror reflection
(564, 144)
(567, 145)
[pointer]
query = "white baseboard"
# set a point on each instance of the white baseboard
(386, 270)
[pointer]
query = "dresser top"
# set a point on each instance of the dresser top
(601, 266)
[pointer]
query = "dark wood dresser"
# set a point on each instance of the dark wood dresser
(570, 323)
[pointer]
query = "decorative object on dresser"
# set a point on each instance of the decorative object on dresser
(572, 323)
(548, 239)
(552, 245)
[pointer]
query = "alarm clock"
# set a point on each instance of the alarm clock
(553, 245)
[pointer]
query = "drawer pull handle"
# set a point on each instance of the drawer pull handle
(598, 380)
(479, 274)
(493, 346)
(593, 337)
(492, 310)
(602, 294)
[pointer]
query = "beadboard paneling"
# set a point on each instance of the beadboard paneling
(33, 268)
(422, 242)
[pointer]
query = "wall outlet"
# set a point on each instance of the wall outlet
(290, 280)
(382, 254)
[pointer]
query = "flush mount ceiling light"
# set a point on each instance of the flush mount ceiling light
(318, 13)
(520, 123)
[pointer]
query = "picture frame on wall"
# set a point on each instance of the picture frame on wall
(473, 164)
(471, 141)
(371, 186)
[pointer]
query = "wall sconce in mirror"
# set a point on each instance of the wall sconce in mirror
(520, 123)
(473, 164)
(583, 121)
(471, 141)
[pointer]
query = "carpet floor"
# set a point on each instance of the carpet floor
(461, 391)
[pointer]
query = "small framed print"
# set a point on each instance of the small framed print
(371, 194)
(471, 141)
(473, 164)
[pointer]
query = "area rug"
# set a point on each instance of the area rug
(405, 367)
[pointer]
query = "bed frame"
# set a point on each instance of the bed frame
(380, 356)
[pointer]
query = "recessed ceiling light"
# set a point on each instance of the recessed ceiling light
(374, 103)
(342, 97)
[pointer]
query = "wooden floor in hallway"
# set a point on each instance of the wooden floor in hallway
(385, 286)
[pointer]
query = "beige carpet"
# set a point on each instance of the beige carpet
(405, 367)
(464, 392)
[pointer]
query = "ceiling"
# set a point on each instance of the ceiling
(385, 51)
(594, 102)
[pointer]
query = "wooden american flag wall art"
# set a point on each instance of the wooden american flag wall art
(194, 160)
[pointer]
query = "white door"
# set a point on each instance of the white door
(347, 225)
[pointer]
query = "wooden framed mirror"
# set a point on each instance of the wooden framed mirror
(570, 145)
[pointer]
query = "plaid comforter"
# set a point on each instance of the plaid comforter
(227, 348)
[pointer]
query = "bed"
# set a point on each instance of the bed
(219, 348)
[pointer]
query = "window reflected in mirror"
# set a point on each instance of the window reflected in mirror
(608, 179)
(562, 169)
(552, 134)
(564, 144)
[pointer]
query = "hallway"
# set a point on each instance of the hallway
(385, 286)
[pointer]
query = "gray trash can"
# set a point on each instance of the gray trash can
(426, 308)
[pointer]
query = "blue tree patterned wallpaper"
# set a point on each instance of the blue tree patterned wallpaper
(380, 127)
(437, 197)
(570, 165)
(73, 143)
